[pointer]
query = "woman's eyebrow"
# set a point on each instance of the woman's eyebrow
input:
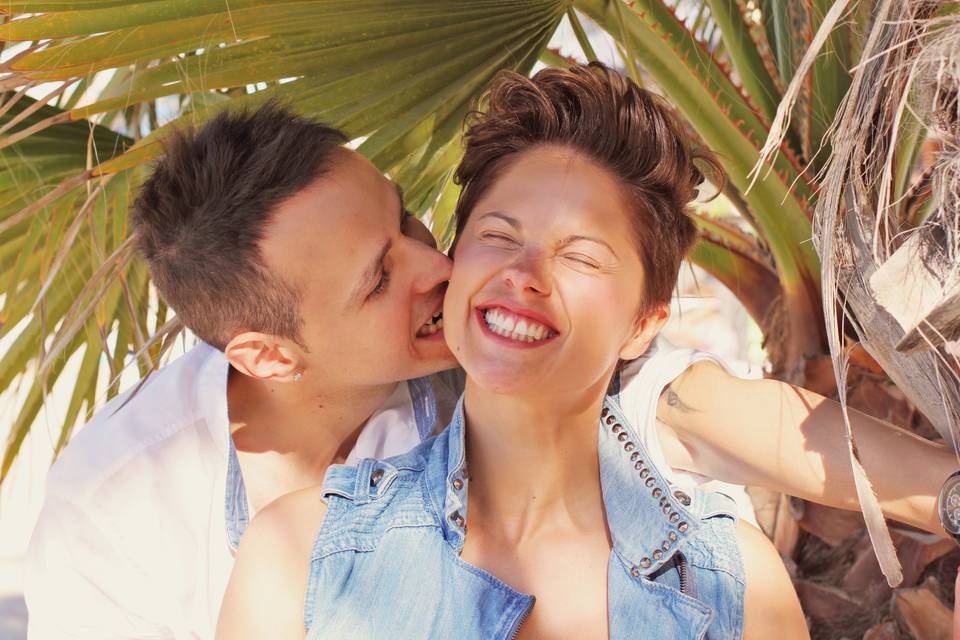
(513, 222)
(578, 238)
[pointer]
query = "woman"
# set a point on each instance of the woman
(575, 185)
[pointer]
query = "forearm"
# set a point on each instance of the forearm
(905, 469)
(771, 434)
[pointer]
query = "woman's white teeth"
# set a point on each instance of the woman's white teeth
(510, 326)
(432, 326)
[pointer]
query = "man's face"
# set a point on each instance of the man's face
(369, 280)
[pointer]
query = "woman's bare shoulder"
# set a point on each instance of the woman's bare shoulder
(771, 606)
(293, 520)
(269, 580)
(295, 514)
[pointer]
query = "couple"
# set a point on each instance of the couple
(318, 301)
(518, 519)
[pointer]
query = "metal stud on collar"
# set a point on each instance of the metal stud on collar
(656, 492)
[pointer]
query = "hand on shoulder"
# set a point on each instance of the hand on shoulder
(266, 591)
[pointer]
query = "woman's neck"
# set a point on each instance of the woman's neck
(532, 463)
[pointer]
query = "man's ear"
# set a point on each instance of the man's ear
(264, 356)
(648, 326)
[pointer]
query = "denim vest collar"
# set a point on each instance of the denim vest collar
(237, 509)
(649, 521)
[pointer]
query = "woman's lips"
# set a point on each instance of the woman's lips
(508, 308)
(512, 329)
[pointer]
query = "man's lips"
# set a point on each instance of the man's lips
(432, 328)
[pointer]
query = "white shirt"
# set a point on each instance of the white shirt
(641, 383)
(144, 509)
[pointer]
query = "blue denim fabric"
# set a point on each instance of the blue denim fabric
(386, 562)
(424, 401)
(237, 507)
(237, 510)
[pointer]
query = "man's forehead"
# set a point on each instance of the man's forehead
(333, 229)
(352, 192)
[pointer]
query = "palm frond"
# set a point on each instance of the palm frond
(399, 74)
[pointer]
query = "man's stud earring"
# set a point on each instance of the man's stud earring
(297, 377)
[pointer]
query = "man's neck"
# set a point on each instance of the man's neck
(532, 463)
(287, 434)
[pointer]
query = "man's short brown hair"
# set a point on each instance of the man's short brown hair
(200, 216)
(629, 131)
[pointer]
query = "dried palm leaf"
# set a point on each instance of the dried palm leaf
(910, 66)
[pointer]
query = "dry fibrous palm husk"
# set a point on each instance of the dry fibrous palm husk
(907, 72)
(892, 275)
(938, 89)
(910, 72)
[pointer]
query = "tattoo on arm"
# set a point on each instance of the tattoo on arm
(674, 401)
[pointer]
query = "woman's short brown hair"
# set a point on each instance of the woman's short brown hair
(631, 132)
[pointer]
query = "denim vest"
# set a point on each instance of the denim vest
(434, 399)
(386, 561)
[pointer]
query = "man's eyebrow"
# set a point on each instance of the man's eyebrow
(578, 238)
(370, 274)
(403, 206)
(513, 222)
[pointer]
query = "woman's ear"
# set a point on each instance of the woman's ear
(648, 326)
(264, 356)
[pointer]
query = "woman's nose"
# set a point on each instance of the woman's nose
(529, 274)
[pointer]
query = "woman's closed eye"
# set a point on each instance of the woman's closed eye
(581, 259)
(498, 237)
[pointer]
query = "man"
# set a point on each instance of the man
(317, 299)
(294, 260)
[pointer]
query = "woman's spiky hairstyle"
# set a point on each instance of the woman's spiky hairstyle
(625, 129)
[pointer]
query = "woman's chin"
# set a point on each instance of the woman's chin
(507, 382)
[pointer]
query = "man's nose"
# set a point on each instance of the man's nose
(529, 273)
(432, 267)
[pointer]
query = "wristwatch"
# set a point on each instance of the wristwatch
(948, 505)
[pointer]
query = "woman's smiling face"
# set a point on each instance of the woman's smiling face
(547, 281)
